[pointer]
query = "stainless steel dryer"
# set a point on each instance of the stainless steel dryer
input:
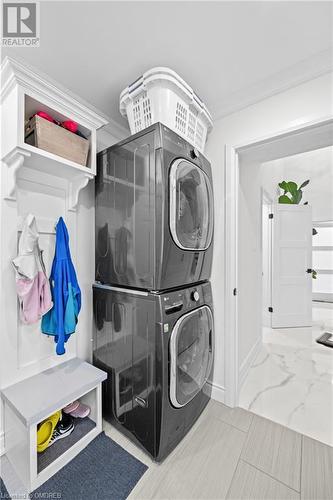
(154, 212)
(157, 349)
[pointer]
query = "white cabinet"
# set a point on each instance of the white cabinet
(23, 93)
(42, 183)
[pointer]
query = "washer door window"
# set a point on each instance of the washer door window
(191, 355)
(191, 206)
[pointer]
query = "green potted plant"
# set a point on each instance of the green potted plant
(292, 193)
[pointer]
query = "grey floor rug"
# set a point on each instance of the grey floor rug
(3, 491)
(102, 471)
(82, 427)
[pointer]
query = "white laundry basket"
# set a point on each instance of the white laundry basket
(160, 95)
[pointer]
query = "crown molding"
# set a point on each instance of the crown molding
(306, 70)
(116, 130)
(14, 72)
(110, 135)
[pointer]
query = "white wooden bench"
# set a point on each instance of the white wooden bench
(29, 402)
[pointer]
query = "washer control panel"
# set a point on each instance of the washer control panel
(182, 300)
(173, 302)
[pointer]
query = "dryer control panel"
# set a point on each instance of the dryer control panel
(174, 142)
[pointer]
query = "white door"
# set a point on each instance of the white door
(291, 266)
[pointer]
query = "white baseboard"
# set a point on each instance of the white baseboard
(218, 392)
(246, 365)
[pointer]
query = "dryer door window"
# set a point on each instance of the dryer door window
(191, 206)
(191, 355)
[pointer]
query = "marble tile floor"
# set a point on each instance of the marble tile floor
(291, 380)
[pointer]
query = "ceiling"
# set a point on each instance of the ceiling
(231, 53)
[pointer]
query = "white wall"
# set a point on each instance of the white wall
(85, 267)
(249, 261)
(304, 103)
(315, 165)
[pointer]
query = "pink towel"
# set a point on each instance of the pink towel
(32, 285)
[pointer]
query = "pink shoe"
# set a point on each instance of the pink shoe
(81, 411)
(71, 407)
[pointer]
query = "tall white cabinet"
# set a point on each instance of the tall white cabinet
(48, 186)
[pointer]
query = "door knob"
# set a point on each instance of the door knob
(309, 271)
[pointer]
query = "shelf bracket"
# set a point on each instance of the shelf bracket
(76, 185)
(13, 162)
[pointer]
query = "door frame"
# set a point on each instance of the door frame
(232, 161)
(266, 200)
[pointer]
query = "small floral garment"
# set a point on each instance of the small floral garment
(32, 285)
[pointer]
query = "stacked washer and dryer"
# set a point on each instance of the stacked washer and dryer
(152, 299)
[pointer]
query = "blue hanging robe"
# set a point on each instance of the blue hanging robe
(61, 320)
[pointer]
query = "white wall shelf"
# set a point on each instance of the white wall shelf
(25, 91)
(34, 158)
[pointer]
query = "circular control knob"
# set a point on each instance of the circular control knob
(194, 153)
(195, 296)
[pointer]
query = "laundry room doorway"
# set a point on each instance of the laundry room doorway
(250, 255)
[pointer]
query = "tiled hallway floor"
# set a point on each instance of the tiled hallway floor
(291, 381)
(234, 454)
(228, 454)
